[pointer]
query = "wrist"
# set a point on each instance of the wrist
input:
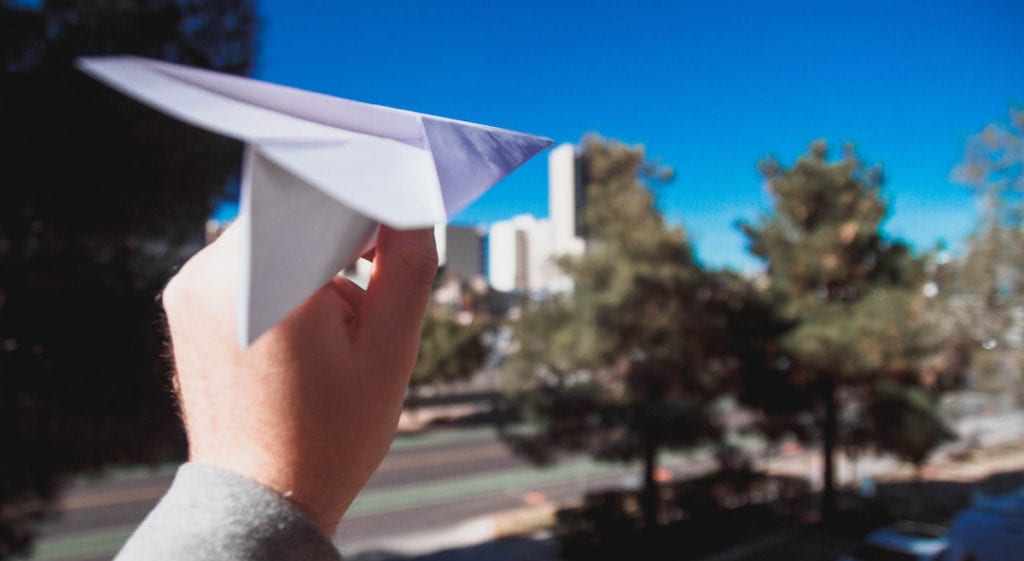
(322, 500)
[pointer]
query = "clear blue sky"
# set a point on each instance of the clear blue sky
(708, 87)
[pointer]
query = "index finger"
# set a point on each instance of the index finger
(396, 299)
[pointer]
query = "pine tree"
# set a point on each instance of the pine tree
(993, 166)
(628, 364)
(984, 294)
(853, 297)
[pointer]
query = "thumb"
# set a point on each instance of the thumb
(396, 299)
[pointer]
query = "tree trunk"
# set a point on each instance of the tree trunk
(499, 413)
(830, 430)
(649, 498)
(917, 498)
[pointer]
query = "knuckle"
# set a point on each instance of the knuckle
(171, 294)
(420, 261)
(176, 290)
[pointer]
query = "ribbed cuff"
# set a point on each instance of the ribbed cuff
(210, 514)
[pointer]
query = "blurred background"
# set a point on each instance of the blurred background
(764, 299)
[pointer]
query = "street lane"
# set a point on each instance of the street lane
(372, 527)
(444, 461)
(97, 514)
(429, 481)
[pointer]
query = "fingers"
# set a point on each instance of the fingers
(208, 277)
(396, 300)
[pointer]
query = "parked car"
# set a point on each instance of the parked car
(902, 541)
(991, 530)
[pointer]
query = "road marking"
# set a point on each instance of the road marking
(153, 492)
(128, 472)
(428, 438)
(106, 498)
(402, 497)
(81, 545)
(419, 459)
(514, 480)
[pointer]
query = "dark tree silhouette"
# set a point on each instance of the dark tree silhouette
(100, 198)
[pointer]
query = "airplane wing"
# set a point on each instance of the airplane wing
(321, 173)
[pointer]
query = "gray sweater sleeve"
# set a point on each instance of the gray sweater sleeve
(210, 514)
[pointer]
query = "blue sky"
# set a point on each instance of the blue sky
(707, 87)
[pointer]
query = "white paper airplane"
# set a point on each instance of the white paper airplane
(320, 173)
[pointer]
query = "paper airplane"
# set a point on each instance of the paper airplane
(320, 173)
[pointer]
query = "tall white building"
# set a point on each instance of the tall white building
(566, 200)
(519, 253)
(522, 251)
(501, 256)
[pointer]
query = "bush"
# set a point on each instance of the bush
(697, 516)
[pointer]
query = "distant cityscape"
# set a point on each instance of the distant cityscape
(518, 255)
(515, 258)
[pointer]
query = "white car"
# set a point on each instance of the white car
(902, 541)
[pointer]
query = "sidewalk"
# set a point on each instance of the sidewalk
(524, 533)
(512, 535)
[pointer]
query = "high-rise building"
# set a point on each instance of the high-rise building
(466, 251)
(567, 197)
(502, 255)
(523, 250)
(519, 254)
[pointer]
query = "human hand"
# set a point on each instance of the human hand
(311, 407)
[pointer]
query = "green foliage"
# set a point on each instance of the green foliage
(981, 304)
(450, 350)
(979, 311)
(100, 197)
(851, 292)
(882, 335)
(629, 362)
(545, 352)
(763, 375)
(853, 298)
(902, 421)
(993, 166)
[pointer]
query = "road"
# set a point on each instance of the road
(429, 483)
